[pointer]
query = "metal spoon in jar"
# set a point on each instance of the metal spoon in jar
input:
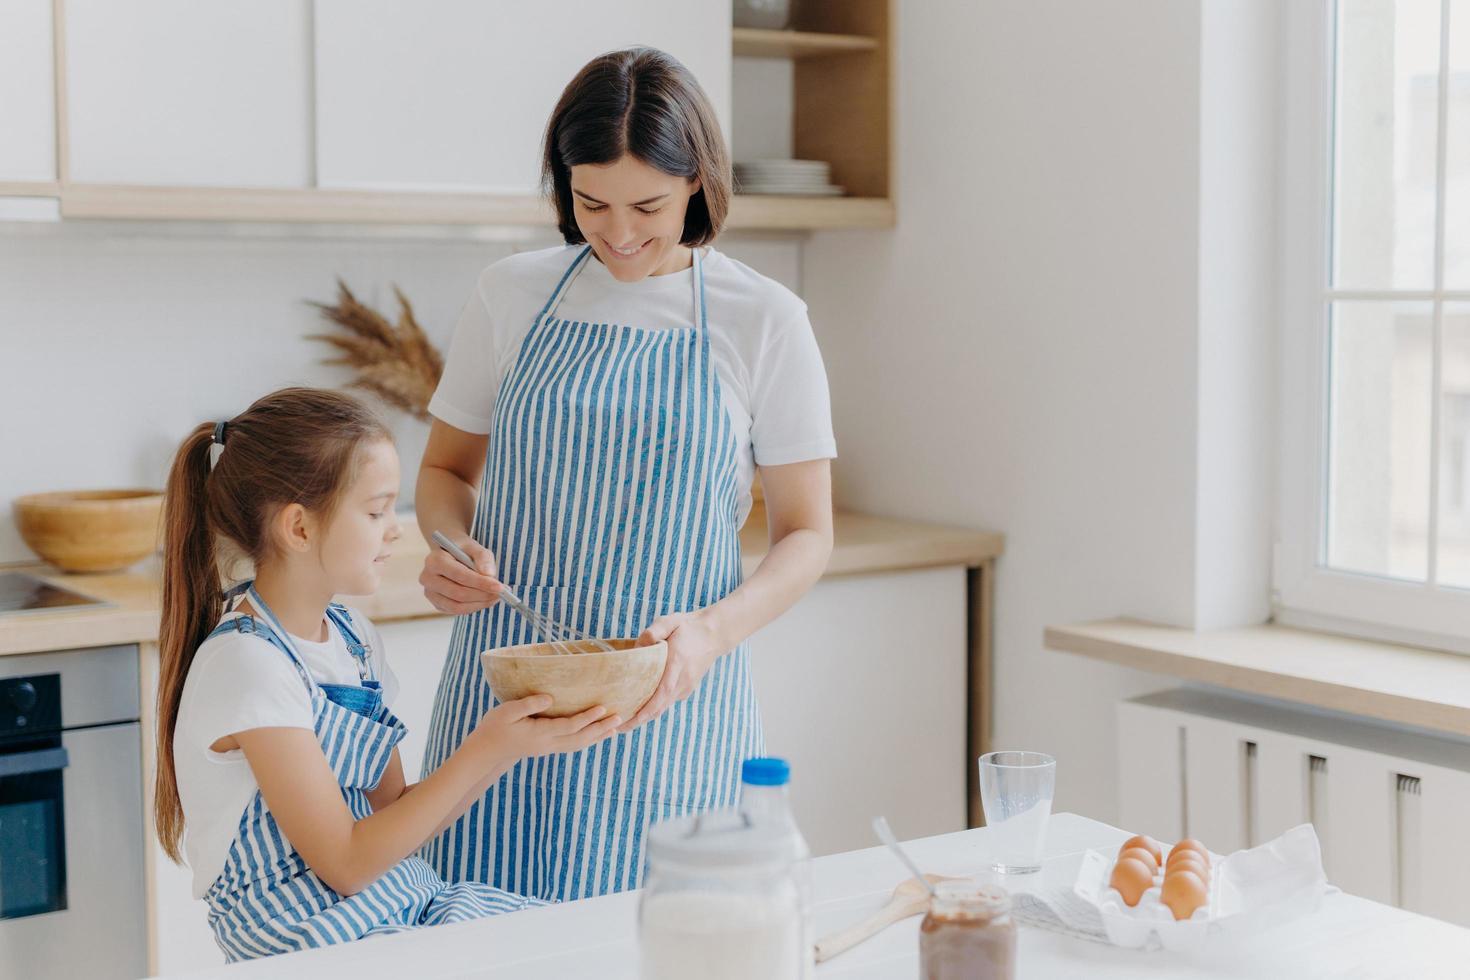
(910, 898)
(885, 834)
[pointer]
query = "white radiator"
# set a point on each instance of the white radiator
(1392, 808)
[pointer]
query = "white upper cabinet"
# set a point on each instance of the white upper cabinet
(189, 92)
(27, 91)
(455, 94)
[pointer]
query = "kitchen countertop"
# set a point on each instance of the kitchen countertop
(597, 937)
(861, 544)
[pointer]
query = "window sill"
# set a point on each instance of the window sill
(1401, 684)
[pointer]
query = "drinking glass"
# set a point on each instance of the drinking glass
(1016, 790)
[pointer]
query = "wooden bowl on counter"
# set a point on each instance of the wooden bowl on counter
(91, 530)
(621, 680)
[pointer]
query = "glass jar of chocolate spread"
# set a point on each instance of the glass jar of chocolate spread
(968, 934)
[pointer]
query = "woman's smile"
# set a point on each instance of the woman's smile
(626, 252)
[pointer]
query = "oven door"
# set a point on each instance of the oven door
(71, 858)
(32, 828)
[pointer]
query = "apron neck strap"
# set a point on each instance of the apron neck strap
(585, 256)
(578, 264)
(281, 634)
(699, 317)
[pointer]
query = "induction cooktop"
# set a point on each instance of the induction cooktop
(23, 593)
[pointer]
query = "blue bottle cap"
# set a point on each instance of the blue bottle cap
(765, 772)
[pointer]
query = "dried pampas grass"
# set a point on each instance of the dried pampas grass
(396, 362)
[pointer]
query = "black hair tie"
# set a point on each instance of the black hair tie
(219, 433)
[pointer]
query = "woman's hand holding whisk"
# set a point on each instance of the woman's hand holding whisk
(453, 588)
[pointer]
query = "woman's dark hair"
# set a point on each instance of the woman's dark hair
(639, 101)
(297, 445)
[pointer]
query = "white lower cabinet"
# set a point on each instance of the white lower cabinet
(182, 937)
(179, 936)
(862, 687)
(416, 650)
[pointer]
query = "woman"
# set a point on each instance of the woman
(618, 394)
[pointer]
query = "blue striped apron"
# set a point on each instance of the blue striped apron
(609, 498)
(266, 900)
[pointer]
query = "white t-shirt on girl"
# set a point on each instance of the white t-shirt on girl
(237, 682)
(771, 375)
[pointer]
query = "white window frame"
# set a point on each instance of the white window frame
(1306, 592)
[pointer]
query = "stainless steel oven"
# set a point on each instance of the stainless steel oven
(71, 816)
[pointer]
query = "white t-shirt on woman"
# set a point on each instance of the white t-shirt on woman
(240, 681)
(772, 380)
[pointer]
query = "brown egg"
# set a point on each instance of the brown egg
(1189, 844)
(1192, 860)
(1142, 855)
(1148, 844)
(1189, 864)
(1183, 891)
(1131, 877)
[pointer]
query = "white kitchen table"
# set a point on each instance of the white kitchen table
(1347, 937)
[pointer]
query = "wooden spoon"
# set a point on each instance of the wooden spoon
(909, 898)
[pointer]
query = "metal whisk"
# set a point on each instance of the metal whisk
(559, 635)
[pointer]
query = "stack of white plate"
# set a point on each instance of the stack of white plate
(798, 177)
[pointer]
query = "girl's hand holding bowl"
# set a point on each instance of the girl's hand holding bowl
(511, 728)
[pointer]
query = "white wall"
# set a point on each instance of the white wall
(1022, 352)
(115, 342)
(1238, 403)
(760, 126)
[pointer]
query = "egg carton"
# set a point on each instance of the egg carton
(1250, 891)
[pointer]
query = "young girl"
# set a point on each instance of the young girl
(276, 748)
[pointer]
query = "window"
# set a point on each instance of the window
(1375, 518)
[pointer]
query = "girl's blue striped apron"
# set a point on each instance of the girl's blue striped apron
(609, 498)
(266, 900)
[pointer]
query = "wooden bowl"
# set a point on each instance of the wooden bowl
(91, 530)
(621, 680)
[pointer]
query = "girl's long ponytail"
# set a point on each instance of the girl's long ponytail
(191, 606)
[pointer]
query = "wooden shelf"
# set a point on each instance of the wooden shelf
(841, 105)
(29, 188)
(782, 213)
(753, 43)
(139, 203)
